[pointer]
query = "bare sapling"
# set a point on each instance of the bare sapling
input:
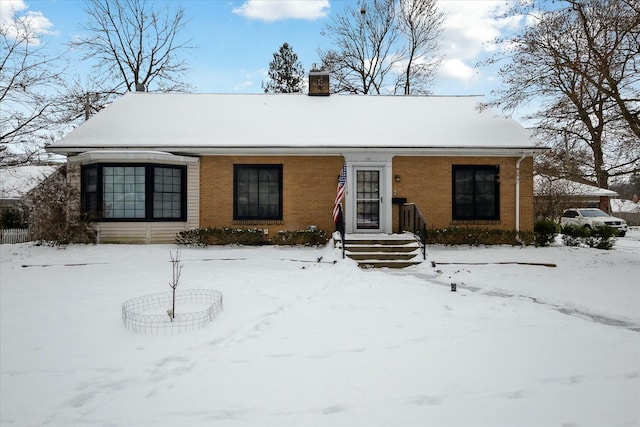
(175, 280)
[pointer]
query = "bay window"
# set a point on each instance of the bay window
(134, 192)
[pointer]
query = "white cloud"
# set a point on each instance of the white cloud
(269, 10)
(456, 69)
(243, 86)
(17, 10)
(470, 29)
(249, 85)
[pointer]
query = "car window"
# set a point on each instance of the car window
(592, 213)
(570, 214)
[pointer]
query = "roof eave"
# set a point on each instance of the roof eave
(312, 150)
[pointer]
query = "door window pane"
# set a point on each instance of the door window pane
(368, 199)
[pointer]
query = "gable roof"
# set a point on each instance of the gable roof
(544, 185)
(195, 123)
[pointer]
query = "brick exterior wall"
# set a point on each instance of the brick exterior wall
(310, 183)
(309, 187)
(427, 182)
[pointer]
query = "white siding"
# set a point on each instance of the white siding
(156, 231)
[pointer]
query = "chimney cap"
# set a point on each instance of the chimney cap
(318, 71)
(140, 87)
(315, 68)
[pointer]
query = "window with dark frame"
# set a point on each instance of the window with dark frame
(476, 192)
(167, 192)
(257, 192)
(89, 178)
(134, 192)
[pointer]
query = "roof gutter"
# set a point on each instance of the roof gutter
(518, 239)
(304, 150)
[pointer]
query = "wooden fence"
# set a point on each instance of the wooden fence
(14, 235)
(632, 218)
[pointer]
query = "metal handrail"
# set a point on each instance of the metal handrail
(411, 220)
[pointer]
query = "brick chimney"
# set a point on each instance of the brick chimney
(318, 82)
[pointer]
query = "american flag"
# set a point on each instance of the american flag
(342, 183)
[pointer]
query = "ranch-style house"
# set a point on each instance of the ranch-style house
(151, 165)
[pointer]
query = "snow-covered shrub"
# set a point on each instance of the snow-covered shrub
(597, 237)
(602, 237)
(53, 213)
(545, 232)
(573, 235)
(222, 236)
(301, 238)
(475, 236)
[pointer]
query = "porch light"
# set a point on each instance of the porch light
(397, 178)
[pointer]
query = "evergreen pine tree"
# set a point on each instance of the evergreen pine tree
(286, 74)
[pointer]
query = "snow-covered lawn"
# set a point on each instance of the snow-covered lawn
(302, 342)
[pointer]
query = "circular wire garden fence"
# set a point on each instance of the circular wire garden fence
(151, 314)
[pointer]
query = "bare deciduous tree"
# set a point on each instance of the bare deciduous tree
(585, 77)
(420, 23)
(136, 45)
(384, 46)
(363, 56)
(611, 29)
(176, 271)
(29, 75)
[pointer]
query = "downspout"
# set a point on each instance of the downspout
(518, 198)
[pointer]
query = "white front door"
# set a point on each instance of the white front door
(369, 198)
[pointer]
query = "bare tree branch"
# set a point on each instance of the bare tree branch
(420, 23)
(29, 78)
(136, 45)
(579, 62)
(364, 37)
(384, 46)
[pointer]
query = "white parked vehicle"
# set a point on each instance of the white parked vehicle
(591, 218)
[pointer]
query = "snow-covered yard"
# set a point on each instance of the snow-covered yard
(302, 342)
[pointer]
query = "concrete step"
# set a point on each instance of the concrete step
(399, 256)
(382, 248)
(390, 251)
(387, 264)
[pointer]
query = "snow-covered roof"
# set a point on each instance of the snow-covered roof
(195, 123)
(628, 206)
(546, 185)
(17, 181)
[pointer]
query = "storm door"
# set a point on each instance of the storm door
(368, 199)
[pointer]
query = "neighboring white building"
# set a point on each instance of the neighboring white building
(16, 182)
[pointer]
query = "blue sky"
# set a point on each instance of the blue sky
(236, 39)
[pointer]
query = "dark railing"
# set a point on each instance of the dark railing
(411, 220)
(340, 227)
